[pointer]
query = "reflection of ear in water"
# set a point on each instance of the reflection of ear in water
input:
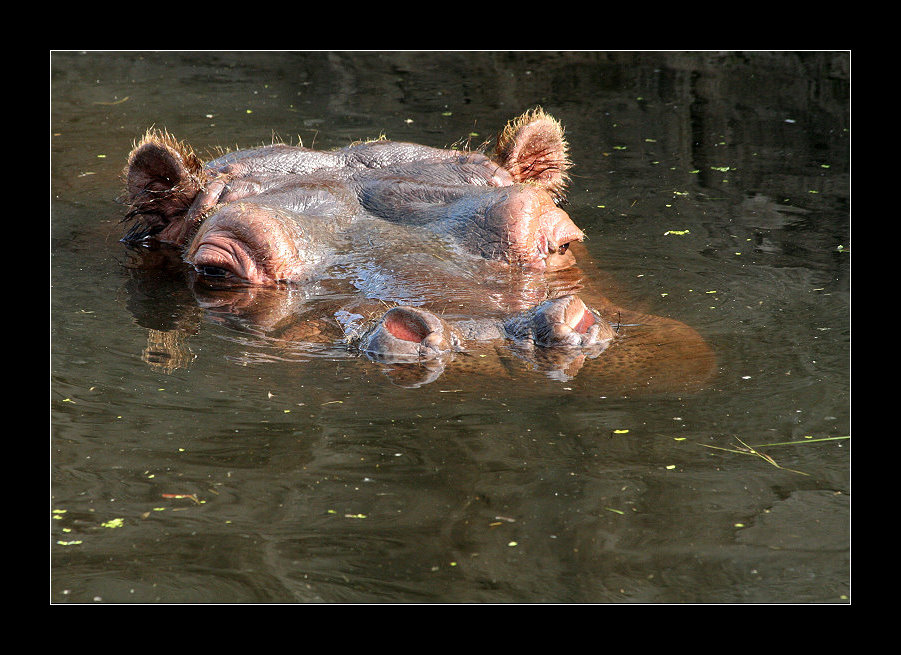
(159, 300)
(167, 350)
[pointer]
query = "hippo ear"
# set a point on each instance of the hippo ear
(162, 178)
(533, 149)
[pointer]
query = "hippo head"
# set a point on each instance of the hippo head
(271, 214)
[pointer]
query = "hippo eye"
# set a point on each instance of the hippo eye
(212, 271)
(562, 249)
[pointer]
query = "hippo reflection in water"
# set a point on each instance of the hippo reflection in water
(473, 251)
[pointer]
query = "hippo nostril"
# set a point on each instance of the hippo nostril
(405, 326)
(585, 322)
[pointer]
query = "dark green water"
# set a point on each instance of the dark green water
(314, 479)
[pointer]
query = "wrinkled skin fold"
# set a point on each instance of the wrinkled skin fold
(472, 249)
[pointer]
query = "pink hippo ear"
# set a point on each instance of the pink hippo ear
(162, 178)
(533, 149)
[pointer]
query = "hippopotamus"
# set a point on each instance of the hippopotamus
(471, 247)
